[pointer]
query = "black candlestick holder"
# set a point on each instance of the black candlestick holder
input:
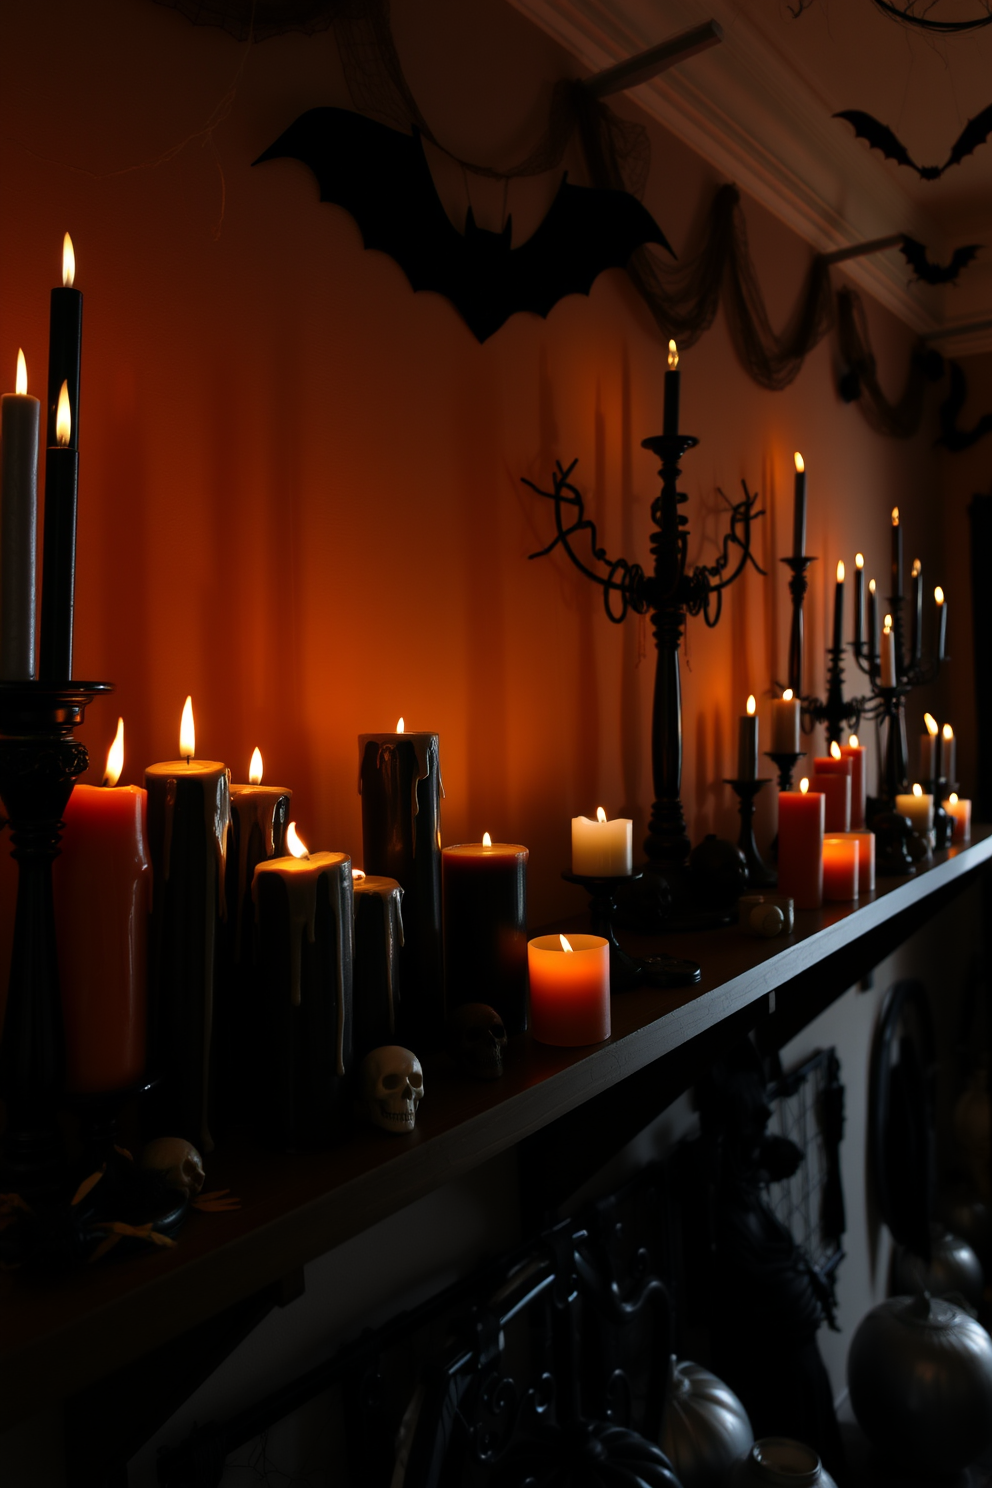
(671, 592)
(39, 762)
(943, 822)
(626, 971)
(759, 875)
(785, 763)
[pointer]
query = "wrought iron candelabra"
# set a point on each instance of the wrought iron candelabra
(671, 592)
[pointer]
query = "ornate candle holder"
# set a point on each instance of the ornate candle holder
(670, 592)
(626, 971)
(48, 1219)
(759, 876)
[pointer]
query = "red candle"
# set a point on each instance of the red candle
(857, 754)
(960, 813)
(800, 846)
(840, 868)
(569, 989)
(832, 778)
(102, 886)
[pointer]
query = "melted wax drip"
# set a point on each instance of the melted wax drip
(259, 807)
(425, 748)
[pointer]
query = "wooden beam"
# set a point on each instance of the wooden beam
(862, 250)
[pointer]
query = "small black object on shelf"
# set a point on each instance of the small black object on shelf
(626, 971)
(943, 822)
(759, 875)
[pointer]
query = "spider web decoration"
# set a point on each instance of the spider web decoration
(803, 1103)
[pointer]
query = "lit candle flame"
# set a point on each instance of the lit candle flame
(948, 732)
(859, 560)
(255, 768)
(21, 384)
(400, 726)
(953, 798)
(115, 756)
(600, 814)
(357, 874)
(895, 516)
(787, 695)
(917, 790)
(487, 841)
(564, 944)
(804, 785)
(63, 417)
(295, 842)
(187, 732)
(835, 750)
(751, 705)
(853, 742)
(673, 361)
(800, 463)
(841, 571)
(938, 595)
(887, 624)
(68, 262)
(871, 586)
(933, 728)
(917, 568)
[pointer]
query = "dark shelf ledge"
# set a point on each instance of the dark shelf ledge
(60, 1334)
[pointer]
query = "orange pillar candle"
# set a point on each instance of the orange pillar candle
(569, 989)
(858, 755)
(840, 868)
(102, 888)
(832, 778)
(800, 846)
(866, 859)
(960, 813)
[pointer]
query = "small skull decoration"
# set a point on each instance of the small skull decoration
(176, 1162)
(477, 1040)
(392, 1088)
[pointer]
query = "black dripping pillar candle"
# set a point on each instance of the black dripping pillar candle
(378, 944)
(485, 928)
(188, 820)
(303, 1042)
(400, 783)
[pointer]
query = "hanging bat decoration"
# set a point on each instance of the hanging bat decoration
(915, 255)
(881, 137)
(382, 178)
(951, 437)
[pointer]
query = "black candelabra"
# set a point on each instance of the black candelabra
(671, 592)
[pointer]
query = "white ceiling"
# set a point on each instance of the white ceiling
(759, 107)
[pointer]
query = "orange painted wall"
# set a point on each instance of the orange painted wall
(300, 495)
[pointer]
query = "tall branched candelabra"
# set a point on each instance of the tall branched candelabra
(670, 592)
(892, 662)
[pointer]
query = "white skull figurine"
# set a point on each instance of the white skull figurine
(177, 1162)
(392, 1088)
(477, 1040)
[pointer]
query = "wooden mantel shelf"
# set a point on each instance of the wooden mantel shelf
(61, 1334)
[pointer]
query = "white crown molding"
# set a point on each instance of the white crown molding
(744, 109)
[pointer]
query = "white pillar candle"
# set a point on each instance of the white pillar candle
(948, 754)
(785, 724)
(18, 529)
(919, 809)
(601, 848)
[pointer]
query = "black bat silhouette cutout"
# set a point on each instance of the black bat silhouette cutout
(881, 137)
(382, 178)
(915, 255)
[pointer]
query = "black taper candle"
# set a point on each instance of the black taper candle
(65, 342)
(859, 600)
(59, 553)
(799, 508)
(400, 785)
(673, 378)
(896, 592)
(378, 943)
(839, 609)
